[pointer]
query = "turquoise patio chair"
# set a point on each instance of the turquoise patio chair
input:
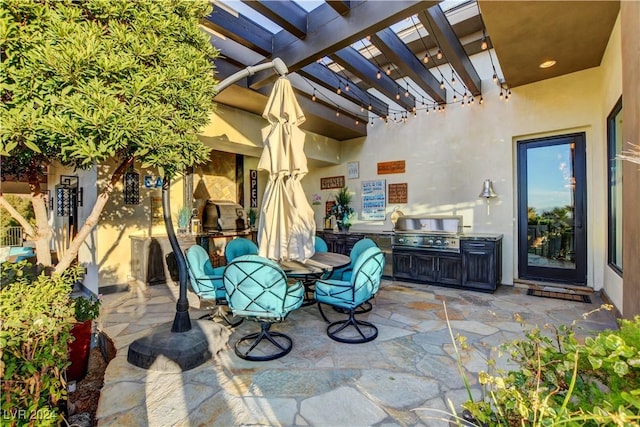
(206, 282)
(238, 247)
(320, 245)
(257, 290)
(360, 246)
(347, 296)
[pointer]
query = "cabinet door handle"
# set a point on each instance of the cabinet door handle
(475, 245)
(476, 253)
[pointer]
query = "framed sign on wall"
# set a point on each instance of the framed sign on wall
(332, 182)
(397, 166)
(353, 170)
(398, 193)
(374, 200)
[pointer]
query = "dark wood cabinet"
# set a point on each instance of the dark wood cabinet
(427, 267)
(478, 266)
(340, 243)
(481, 264)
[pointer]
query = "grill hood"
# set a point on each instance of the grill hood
(429, 224)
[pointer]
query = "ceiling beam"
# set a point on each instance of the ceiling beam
(326, 78)
(288, 15)
(388, 42)
(321, 110)
(328, 31)
(240, 29)
(357, 64)
(340, 6)
(436, 23)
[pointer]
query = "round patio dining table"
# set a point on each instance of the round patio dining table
(312, 269)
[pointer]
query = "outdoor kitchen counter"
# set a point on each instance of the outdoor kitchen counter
(481, 236)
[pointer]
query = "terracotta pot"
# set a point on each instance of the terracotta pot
(79, 351)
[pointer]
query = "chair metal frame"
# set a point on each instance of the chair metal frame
(244, 275)
(371, 259)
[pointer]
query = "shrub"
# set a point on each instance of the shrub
(561, 381)
(37, 319)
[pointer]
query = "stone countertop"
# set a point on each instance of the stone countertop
(357, 231)
(481, 236)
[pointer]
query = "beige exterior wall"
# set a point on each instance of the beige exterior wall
(630, 12)
(119, 221)
(611, 92)
(449, 155)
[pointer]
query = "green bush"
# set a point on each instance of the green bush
(562, 381)
(37, 319)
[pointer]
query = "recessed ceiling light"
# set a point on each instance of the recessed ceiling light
(547, 64)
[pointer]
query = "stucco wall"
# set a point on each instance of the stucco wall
(611, 91)
(449, 155)
(630, 12)
(118, 221)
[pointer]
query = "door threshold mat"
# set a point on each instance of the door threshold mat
(568, 296)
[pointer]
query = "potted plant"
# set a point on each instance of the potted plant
(86, 310)
(341, 211)
(184, 217)
(252, 214)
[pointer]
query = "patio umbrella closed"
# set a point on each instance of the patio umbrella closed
(286, 226)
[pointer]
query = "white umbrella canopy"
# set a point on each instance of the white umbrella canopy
(287, 226)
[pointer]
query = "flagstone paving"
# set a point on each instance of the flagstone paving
(403, 378)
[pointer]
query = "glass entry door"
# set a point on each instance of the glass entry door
(552, 209)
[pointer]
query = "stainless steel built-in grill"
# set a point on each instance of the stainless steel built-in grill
(439, 233)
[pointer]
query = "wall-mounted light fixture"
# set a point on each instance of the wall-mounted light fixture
(68, 195)
(131, 187)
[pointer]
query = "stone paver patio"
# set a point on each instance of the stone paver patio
(403, 378)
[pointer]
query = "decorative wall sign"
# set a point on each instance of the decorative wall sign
(151, 181)
(397, 166)
(332, 182)
(253, 188)
(353, 170)
(373, 200)
(398, 193)
(156, 210)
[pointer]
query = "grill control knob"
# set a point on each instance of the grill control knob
(430, 241)
(438, 242)
(400, 240)
(415, 242)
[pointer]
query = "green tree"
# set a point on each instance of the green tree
(88, 82)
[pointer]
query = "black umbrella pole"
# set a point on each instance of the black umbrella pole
(181, 322)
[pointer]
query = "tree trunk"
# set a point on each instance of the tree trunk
(43, 229)
(41, 235)
(72, 251)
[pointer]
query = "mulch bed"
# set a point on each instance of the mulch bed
(82, 404)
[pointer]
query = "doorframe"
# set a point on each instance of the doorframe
(581, 198)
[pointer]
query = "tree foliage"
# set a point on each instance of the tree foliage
(85, 82)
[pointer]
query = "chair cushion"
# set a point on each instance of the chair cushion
(206, 281)
(360, 246)
(257, 287)
(238, 247)
(337, 293)
(363, 285)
